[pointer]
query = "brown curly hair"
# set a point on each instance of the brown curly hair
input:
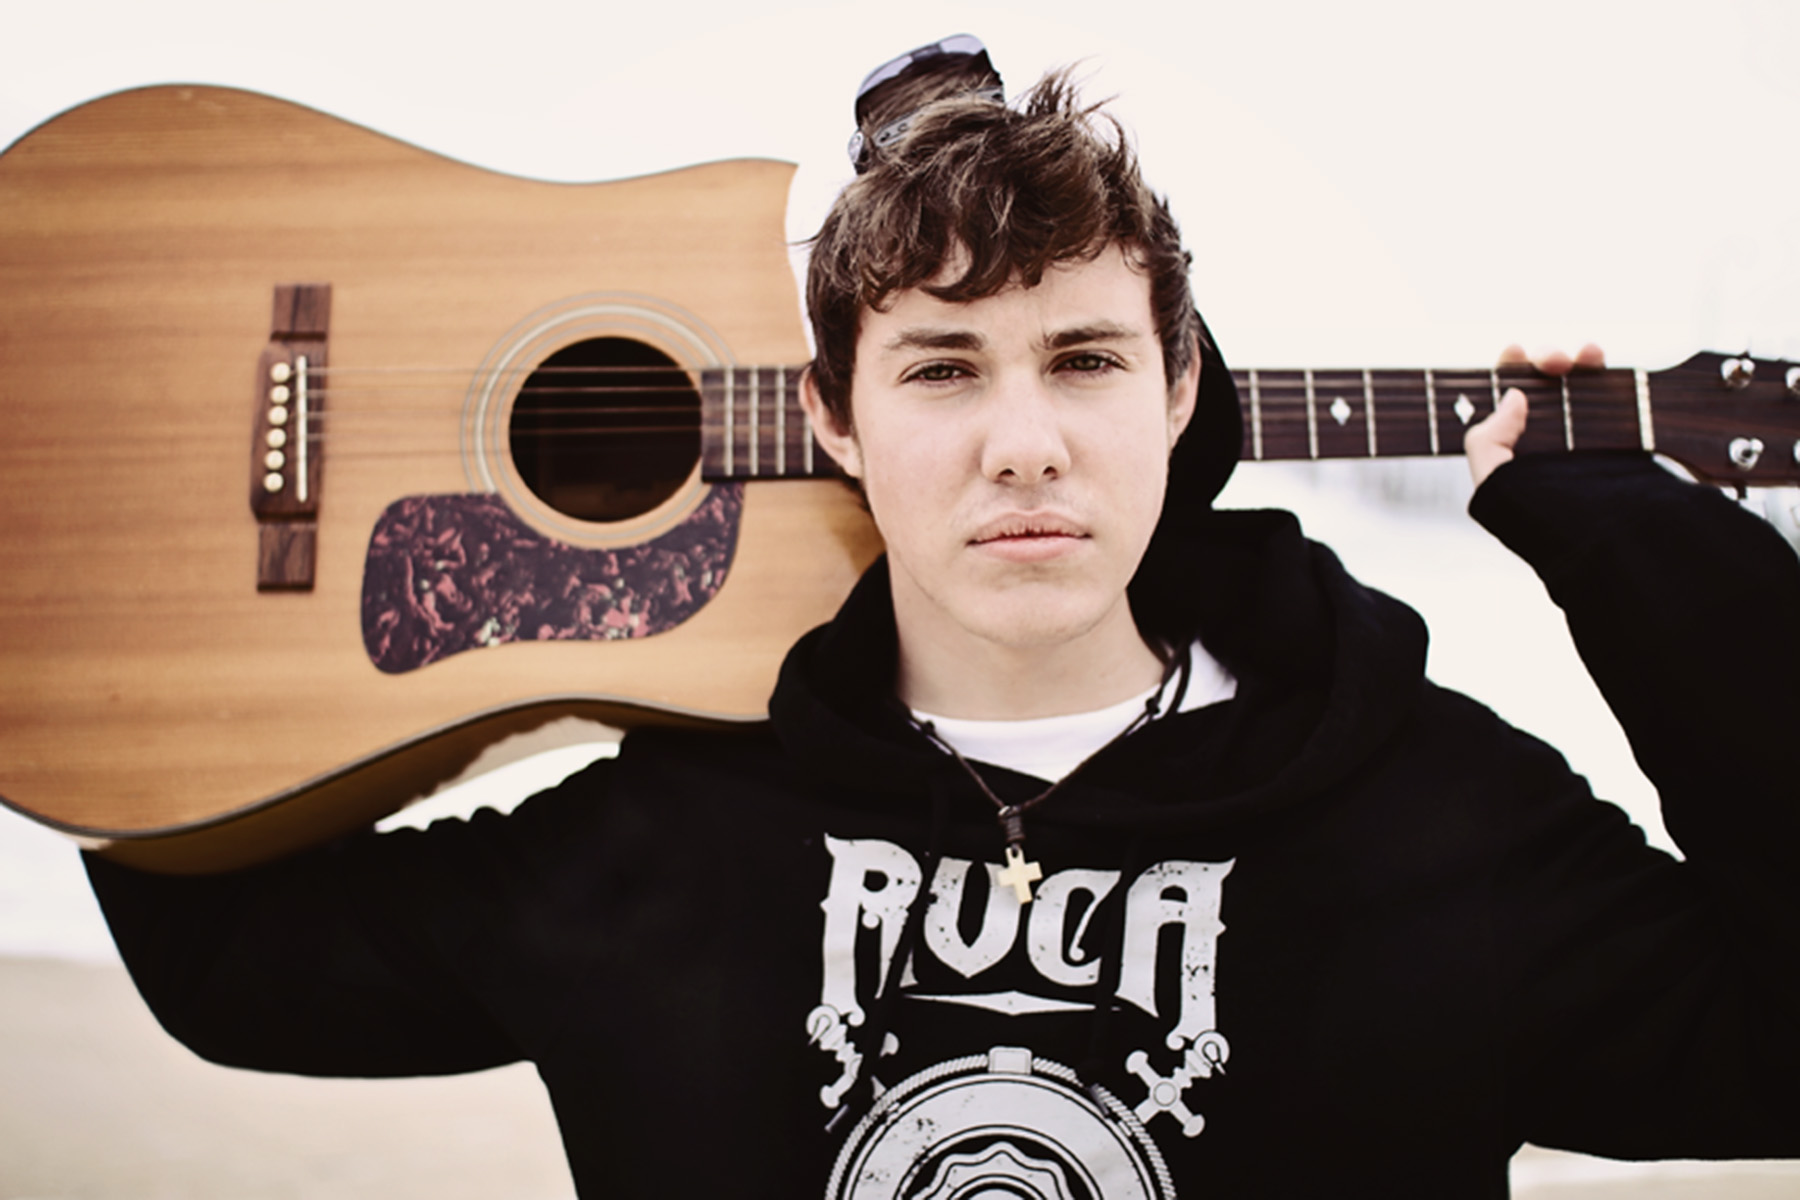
(1011, 191)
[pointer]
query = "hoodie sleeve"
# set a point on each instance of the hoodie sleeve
(379, 955)
(1657, 1005)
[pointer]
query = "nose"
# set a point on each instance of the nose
(1023, 440)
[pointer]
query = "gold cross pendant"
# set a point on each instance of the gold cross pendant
(1019, 874)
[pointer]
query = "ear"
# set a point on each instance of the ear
(838, 442)
(1184, 395)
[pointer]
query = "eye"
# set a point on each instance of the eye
(1088, 362)
(935, 372)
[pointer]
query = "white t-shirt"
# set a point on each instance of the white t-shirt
(1051, 747)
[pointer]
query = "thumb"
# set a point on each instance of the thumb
(1490, 442)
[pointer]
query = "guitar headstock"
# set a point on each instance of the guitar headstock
(1730, 419)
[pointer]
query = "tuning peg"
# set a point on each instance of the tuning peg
(1745, 452)
(1793, 381)
(1737, 372)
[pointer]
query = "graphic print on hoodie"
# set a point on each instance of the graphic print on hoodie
(1007, 1121)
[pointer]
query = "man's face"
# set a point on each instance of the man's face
(1014, 451)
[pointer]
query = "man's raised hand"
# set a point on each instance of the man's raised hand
(1490, 442)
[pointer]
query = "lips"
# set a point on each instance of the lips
(1029, 538)
(1027, 527)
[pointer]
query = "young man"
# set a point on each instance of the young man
(1104, 845)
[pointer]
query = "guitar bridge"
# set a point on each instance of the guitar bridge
(286, 455)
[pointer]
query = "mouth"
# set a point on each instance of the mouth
(1029, 538)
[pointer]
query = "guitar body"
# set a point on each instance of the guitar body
(153, 695)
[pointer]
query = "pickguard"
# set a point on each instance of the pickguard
(449, 573)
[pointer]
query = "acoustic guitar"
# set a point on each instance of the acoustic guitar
(330, 463)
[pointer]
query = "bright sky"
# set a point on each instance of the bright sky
(1383, 183)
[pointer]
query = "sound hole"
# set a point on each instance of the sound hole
(606, 429)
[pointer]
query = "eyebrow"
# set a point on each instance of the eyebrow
(928, 338)
(1099, 331)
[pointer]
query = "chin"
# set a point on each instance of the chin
(1037, 621)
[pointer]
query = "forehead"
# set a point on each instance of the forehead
(1107, 292)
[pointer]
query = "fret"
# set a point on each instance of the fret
(806, 459)
(754, 438)
(1603, 411)
(775, 455)
(743, 438)
(1568, 418)
(1401, 404)
(715, 451)
(768, 405)
(730, 441)
(1341, 421)
(1369, 411)
(776, 458)
(1646, 430)
(1249, 390)
(1544, 432)
(806, 440)
(1460, 399)
(1279, 417)
(1431, 410)
(1341, 417)
(1312, 418)
(1256, 417)
(781, 407)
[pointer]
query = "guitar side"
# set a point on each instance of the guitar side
(151, 692)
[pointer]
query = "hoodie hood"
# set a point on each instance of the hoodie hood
(1327, 671)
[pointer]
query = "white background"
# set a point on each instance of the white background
(1385, 183)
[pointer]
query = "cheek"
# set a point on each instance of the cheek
(905, 458)
(1137, 455)
(1139, 482)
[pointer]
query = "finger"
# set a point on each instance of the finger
(1490, 442)
(1506, 424)
(1553, 362)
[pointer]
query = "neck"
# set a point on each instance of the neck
(982, 679)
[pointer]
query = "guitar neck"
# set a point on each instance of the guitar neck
(755, 428)
(1364, 413)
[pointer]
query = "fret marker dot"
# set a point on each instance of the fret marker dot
(1340, 410)
(1465, 408)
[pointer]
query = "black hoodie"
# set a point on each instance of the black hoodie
(1344, 934)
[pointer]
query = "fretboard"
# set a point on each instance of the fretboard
(752, 426)
(1382, 413)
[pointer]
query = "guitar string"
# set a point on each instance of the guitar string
(1608, 397)
(1274, 394)
(1395, 413)
(1289, 446)
(553, 422)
